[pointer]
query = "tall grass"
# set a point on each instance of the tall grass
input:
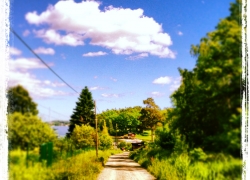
(83, 166)
(165, 165)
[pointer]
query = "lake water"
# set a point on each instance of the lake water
(61, 130)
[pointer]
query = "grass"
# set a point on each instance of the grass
(83, 166)
(165, 165)
(145, 136)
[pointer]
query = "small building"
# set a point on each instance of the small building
(137, 145)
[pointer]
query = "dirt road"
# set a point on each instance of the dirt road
(120, 167)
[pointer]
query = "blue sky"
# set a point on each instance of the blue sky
(124, 50)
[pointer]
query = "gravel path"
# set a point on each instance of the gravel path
(120, 167)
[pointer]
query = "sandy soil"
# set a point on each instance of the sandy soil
(120, 167)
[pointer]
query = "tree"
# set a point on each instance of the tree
(28, 130)
(84, 111)
(207, 104)
(83, 136)
(150, 116)
(19, 100)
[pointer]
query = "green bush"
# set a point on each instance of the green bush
(125, 146)
(165, 138)
(105, 141)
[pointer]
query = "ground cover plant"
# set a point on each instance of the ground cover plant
(82, 166)
(196, 164)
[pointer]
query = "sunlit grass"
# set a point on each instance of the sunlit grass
(83, 166)
(173, 167)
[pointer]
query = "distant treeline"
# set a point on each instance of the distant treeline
(58, 123)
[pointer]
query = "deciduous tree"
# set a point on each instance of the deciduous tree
(19, 100)
(207, 104)
(150, 116)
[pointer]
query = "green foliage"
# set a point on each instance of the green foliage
(165, 138)
(169, 166)
(197, 154)
(83, 166)
(125, 146)
(105, 141)
(150, 116)
(120, 120)
(84, 111)
(19, 100)
(28, 130)
(83, 136)
(207, 104)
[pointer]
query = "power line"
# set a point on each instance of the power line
(52, 110)
(12, 30)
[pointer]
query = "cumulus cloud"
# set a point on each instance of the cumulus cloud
(163, 80)
(15, 52)
(124, 31)
(92, 54)
(24, 64)
(51, 36)
(19, 74)
(42, 50)
(26, 33)
(180, 33)
(139, 56)
(37, 88)
(156, 94)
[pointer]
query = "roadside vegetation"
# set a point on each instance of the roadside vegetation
(81, 164)
(200, 136)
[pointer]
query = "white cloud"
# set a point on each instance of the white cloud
(19, 74)
(92, 54)
(24, 64)
(42, 50)
(15, 51)
(175, 84)
(36, 87)
(26, 33)
(51, 36)
(163, 80)
(96, 88)
(180, 33)
(113, 79)
(112, 95)
(139, 56)
(124, 31)
(156, 94)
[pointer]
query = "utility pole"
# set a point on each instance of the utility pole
(96, 132)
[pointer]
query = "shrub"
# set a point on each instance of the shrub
(83, 136)
(125, 146)
(105, 141)
(165, 138)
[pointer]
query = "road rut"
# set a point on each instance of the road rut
(120, 167)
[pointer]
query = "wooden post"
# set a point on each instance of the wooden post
(96, 132)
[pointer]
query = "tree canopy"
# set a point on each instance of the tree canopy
(19, 100)
(28, 130)
(84, 111)
(207, 104)
(150, 115)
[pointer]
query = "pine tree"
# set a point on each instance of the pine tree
(84, 111)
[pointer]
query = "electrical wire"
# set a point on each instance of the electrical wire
(12, 30)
